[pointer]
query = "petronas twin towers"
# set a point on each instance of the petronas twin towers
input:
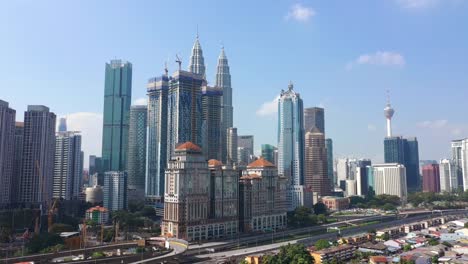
(181, 108)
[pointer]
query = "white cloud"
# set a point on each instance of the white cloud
(141, 101)
(300, 13)
(433, 124)
(417, 4)
(268, 108)
(90, 126)
(380, 58)
(371, 127)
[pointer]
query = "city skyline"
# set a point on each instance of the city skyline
(406, 69)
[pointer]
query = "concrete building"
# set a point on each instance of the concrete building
(342, 172)
(431, 178)
(157, 141)
(115, 190)
(448, 177)
(7, 153)
(231, 146)
(390, 178)
(94, 194)
(136, 167)
(316, 169)
(263, 198)
(68, 166)
(340, 253)
(351, 188)
(335, 203)
(98, 214)
(18, 160)
(243, 155)
(37, 168)
(117, 100)
(460, 159)
(314, 117)
(330, 162)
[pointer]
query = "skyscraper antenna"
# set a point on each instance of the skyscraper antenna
(388, 97)
(197, 31)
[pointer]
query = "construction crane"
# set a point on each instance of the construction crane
(50, 216)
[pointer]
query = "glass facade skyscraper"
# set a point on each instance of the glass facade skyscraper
(314, 117)
(211, 126)
(136, 167)
(404, 151)
(291, 136)
(117, 101)
(331, 174)
(223, 81)
(268, 152)
(394, 150)
(157, 135)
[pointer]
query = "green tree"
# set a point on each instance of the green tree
(148, 211)
(320, 208)
(294, 254)
(407, 247)
(433, 242)
(321, 244)
(43, 241)
(321, 218)
(59, 228)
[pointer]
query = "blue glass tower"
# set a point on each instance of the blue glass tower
(137, 148)
(157, 135)
(117, 100)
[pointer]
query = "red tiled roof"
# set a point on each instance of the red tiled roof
(188, 146)
(260, 162)
(97, 208)
(214, 162)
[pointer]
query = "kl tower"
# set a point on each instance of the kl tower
(388, 112)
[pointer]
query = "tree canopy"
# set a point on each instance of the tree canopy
(293, 254)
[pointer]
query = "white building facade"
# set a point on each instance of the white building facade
(390, 178)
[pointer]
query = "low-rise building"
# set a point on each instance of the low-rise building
(379, 260)
(340, 253)
(98, 214)
(334, 203)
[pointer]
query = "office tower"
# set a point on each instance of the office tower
(448, 178)
(370, 180)
(136, 167)
(231, 145)
(96, 171)
(431, 178)
(62, 127)
(197, 62)
(291, 136)
(187, 194)
(362, 183)
(459, 157)
(246, 142)
(394, 150)
(263, 196)
(117, 100)
(390, 178)
(35, 184)
(243, 155)
(184, 110)
(268, 152)
(223, 81)
(314, 117)
(157, 89)
(18, 160)
(351, 188)
(7, 148)
(211, 126)
(342, 172)
(411, 163)
(330, 172)
(275, 156)
(316, 168)
(224, 197)
(115, 190)
(68, 166)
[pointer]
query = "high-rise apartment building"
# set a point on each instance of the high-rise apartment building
(7, 148)
(37, 168)
(390, 178)
(431, 178)
(68, 166)
(460, 160)
(117, 100)
(231, 141)
(96, 171)
(211, 126)
(263, 202)
(115, 190)
(268, 152)
(342, 172)
(136, 167)
(157, 151)
(316, 169)
(223, 81)
(18, 160)
(448, 177)
(314, 117)
(330, 172)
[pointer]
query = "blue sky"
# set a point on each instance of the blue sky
(342, 55)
